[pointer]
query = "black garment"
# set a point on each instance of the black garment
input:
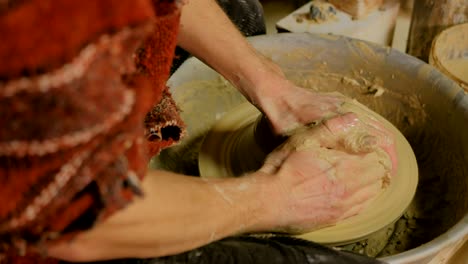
(253, 250)
(247, 15)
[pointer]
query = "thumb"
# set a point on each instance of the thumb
(341, 123)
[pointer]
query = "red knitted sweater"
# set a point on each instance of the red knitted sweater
(82, 89)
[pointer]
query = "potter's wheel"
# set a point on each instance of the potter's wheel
(230, 141)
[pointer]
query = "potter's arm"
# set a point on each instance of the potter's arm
(177, 213)
(292, 191)
(208, 34)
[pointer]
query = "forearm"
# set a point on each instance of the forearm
(191, 212)
(208, 34)
(176, 214)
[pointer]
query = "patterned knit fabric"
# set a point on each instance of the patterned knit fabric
(82, 91)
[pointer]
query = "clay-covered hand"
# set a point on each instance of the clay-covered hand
(328, 172)
(288, 106)
(297, 106)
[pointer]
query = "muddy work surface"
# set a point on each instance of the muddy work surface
(424, 219)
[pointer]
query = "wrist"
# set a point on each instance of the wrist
(277, 102)
(269, 204)
(265, 86)
(246, 200)
(258, 78)
(256, 214)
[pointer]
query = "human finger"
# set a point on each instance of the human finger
(274, 160)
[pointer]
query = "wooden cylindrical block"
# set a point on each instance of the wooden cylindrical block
(431, 17)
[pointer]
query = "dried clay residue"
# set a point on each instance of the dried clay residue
(319, 12)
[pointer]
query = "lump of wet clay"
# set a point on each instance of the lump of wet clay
(231, 149)
(355, 145)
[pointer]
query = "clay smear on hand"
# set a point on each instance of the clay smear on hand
(352, 135)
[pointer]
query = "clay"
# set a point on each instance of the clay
(423, 105)
(407, 111)
(320, 12)
(355, 140)
(230, 149)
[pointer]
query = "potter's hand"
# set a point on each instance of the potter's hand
(328, 173)
(293, 106)
(317, 177)
(286, 105)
